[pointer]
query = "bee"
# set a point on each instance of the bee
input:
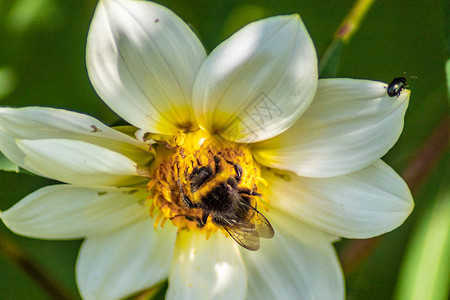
(228, 205)
(396, 86)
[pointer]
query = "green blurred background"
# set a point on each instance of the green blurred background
(42, 49)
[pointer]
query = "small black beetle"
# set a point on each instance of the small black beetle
(396, 86)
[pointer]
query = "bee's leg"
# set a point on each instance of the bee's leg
(187, 201)
(202, 222)
(237, 169)
(217, 167)
(185, 198)
(249, 192)
(191, 218)
(181, 215)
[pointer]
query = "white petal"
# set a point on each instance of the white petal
(350, 124)
(258, 82)
(206, 269)
(123, 262)
(78, 162)
(362, 204)
(9, 148)
(67, 211)
(298, 263)
(142, 61)
(34, 123)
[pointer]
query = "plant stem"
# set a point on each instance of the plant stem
(13, 252)
(351, 22)
(345, 31)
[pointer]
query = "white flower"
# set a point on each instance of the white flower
(310, 147)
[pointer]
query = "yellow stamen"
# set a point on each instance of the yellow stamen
(189, 167)
(157, 219)
(163, 222)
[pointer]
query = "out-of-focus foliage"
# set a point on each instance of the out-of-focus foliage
(42, 63)
(425, 272)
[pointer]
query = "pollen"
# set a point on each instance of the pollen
(189, 177)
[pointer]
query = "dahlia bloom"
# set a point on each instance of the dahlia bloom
(244, 149)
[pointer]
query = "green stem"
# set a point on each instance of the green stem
(13, 252)
(345, 31)
(351, 22)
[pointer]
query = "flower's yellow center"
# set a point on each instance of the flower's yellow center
(199, 177)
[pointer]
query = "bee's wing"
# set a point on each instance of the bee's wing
(247, 230)
(243, 233)
(262, 225)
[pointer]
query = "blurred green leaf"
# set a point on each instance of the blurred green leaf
(27, 13)
(447, 71)
(7, 165)
(241, 16)
(425, 271)
(8, 81)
